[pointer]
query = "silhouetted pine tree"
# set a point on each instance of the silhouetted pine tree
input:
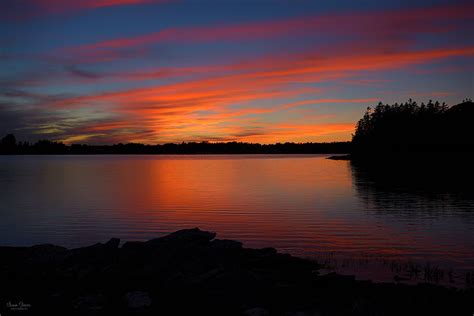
(409, 127)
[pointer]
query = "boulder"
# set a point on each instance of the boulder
(225, 244)
(113, 243)
(137, 300)
(46, 253)
(256, 311)
(184, 238)
(89, 303)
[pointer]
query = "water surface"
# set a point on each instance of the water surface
(305, 205)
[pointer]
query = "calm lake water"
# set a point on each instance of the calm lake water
(305, 205)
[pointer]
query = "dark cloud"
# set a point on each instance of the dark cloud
(249, 132)
(75, 71)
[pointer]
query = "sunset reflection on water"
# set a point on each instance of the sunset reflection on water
(305, 205)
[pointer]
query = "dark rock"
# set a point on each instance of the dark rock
(47, 253)
(138, 300)
(193, 273)
(184, 237)
(256, 311)
(206, 276)
(89, 303)
(113, 243)
(134, 245)
(225, 244)
(303, 313)
(97, 251)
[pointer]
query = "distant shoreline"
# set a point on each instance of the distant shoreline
(10, 146)
(332, 155)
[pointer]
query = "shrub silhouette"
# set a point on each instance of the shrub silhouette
(409, 127)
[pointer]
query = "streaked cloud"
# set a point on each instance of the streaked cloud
(312, 87)
(13, 9)
(390, 27)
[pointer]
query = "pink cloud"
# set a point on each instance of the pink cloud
(390, 28)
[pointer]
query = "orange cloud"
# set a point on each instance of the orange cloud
(244, 100)
(301, 132)
(205, 108)
(237, 86)
(318, 101)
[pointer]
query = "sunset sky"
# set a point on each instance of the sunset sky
(266, 71)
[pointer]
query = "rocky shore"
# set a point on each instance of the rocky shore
(190, 272)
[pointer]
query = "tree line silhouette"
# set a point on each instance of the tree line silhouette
(399, 128)
(9, 145)
(410, 127)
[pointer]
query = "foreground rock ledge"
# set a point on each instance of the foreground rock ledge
(189, 272)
